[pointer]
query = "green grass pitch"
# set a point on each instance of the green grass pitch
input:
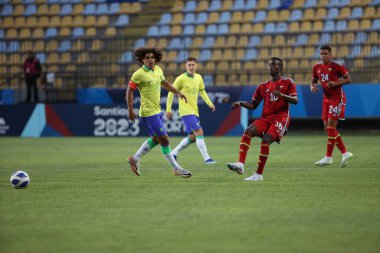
(83, 197)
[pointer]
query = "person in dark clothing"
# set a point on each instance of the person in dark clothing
(32, 71)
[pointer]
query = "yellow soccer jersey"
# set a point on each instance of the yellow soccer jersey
(148, 82)
(190, 87)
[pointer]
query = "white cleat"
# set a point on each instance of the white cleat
(135, 165)
(324, 161)
(345, 158)
(238, 167)
(182, 172)
(255, 177)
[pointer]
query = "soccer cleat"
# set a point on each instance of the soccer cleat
(324, 161)
(210, 161)
(238, 167)
(135, 165)
(345, 158)
(182, 172)
(175, 157)
(255, 177)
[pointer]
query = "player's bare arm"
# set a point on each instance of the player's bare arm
(249, 105)
(129, 97)
(314, 85)
(345, 80)
(287, 98)
(171, 88)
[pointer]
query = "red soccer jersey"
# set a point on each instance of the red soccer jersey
(274, 106)
(332, 71)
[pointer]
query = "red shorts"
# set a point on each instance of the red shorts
(275, 127)
(333, 109)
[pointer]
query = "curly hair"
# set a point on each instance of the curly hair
(141, 52)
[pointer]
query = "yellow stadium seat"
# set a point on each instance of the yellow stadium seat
(235, 28)
(162, 42)
(246, 28)
(365, 24)
(308, 14)
(43, 21)
(258, 28)
(345, 13)
(248, 16)
(197, 42)
(19, 22)
(309, 52)
(320, 14)
(78, 9)
(78, 21)
(272, 16)
(178, 6)
(65, 32)
(171, 55)
(25, 33)
(31, 21)
(8, 22)
(232, 79)
(227, 5)
(231, 41)
(177, 18)
(237, 17)
(67, 21)
(220, 41)
(220, 79)
(313, 39)
(89, 21)
(360, 2)
(52, 46)
(213, 18)
(176, 30)
(202, 6)
(83, 58)
(281, 41)
(172, 67)
(266, 40)
(38, 33)
(26, 46)
(91, 32)
(229, 54)
(53, 58)
(243, 79)
(283, 15)
(151, 42)
(103, 21)
(96, 45)
(294, 27)
(65, 58)
(249, 66)
(39, 45)
(263, 54)
(200, 29)
(373, 38)
(306, 26)
(242, 42)
(291, 64)
(369, 12)
(43, 9)
(298, 4)
(125, 8)
(195, 53)
(353, 25)
(78, 45)
(255, 79)
(298, 52)
(317, 26)
(55, 21)
(19, 10)
(262, 4)
(323, 3)
(54, 9)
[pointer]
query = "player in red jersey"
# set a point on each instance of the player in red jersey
(332, 75)
(277, 93)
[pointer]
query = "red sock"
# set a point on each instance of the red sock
(244, 146)
(330, 140)
(264, 152)
(339, 143)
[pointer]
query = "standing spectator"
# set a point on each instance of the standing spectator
(191, 85)
(332, 75)
(277, 93)
(32, 71)
(148, 81)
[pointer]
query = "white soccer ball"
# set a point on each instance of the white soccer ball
(20, 179)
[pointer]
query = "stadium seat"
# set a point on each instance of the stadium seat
(332, 13)
(345, 13)
(341, 25)
(202, 6)
(281, 27)
(269, 28)
(201, 18)
(189, 18)
(357, 12)
(188, 30)
(365, 24)
(78, 32)
(7, 10)
(200, 29)
(225, 17)
(329, 26)
(274, 4)
(215, 5)
(122, 20)
(102, 9)
(166, 19)
(126, 57)
(205, 55)
(208, 42)
(213, 18)
(90, 9)
(31, 9)
(51, 32)
(175, 30)
(355, 52)
(153, 31)
(260, 16)
(190, 6)
(177, 18)
(376, 24)
(182, 56)
(250, 54)
(310, 4)
(114, 8)
(353, 25)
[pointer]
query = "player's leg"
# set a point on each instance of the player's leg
(187, 141)
(200, 140)
(275, 131)
(147, 145)
(253, 130)
(346, 155)
(328, 122)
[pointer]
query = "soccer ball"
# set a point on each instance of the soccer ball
(20, 179)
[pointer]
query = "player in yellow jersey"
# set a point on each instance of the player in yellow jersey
(191, 84)
(148, 80)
